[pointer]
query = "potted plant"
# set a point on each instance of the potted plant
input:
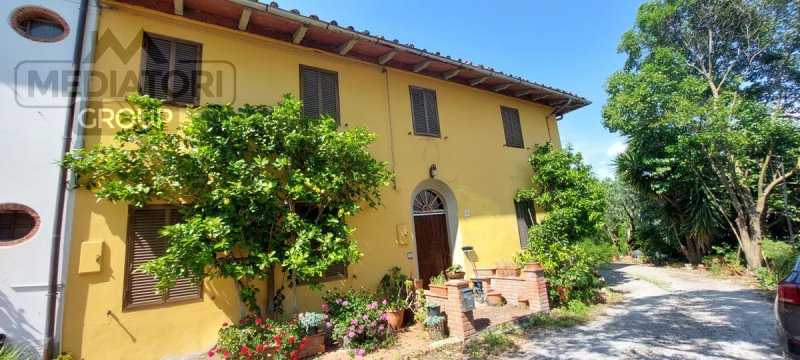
(507, 269)
(455, 272)
(397, 290)
(433, 309)
(435, 325)
(315, 338)
(484, 272)
(437, 285)
(420, 311)
(533, 266)
(494, 297)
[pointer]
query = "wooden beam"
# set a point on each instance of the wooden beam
(477, 81)
(451, 73)
(345, 48)
(421, 66)
(245, 18)
(501, 87)
(299, 34)
(179, 7)
(519, 93)
(541, 97)
(388, 56)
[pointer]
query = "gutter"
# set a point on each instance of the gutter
(360, 36)
(61, 192)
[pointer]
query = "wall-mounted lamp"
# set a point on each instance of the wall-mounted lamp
(433, 171)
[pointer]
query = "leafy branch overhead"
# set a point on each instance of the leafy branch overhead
(259, 187)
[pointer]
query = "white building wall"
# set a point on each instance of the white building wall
(31, 133)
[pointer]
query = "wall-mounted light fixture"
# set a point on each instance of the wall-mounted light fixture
(433, 171)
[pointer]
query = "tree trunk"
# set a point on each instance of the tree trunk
(629, 235)
(751, 236)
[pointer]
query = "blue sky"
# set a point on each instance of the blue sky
(566, 44)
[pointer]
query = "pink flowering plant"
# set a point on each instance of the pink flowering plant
(358, 318)
(255, 338)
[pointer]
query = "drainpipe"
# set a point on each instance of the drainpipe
(61, 194)
(558, 117)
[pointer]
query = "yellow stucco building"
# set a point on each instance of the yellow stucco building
(474, 125)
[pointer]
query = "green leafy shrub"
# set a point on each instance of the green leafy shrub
(255, 338)
(780, 256)
(357, 318)
(396, 288)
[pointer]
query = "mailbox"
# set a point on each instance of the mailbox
(467, 300)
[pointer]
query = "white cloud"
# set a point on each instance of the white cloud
(616, 148)
(603, 172)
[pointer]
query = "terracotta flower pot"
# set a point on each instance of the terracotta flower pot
(395, 318)
(418, 284)
(508, 272)
(494, 297)
(438, 290)
(484, 272)
(420, 326)
(314, 345)
(456, 276)
(533, 266)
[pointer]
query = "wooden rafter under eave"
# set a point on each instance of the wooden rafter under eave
(478, 81)
(347, 46)
(388, 56)
(451, 73)
(245, 18)
(299, 34)
(421, 66)
(179, 7)
(501, 87)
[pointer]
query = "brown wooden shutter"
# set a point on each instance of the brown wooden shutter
(184, 81)
(511, 127)
(309, 81)
(170, 69)
(145, 244)
(155, 77)
(329, 97)
(424, 112)
(526, 218)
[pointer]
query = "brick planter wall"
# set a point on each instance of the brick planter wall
(512, 288)
(459, 323)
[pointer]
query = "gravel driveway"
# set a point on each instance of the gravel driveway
(667, 314)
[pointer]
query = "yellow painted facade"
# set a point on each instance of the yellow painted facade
(479, 172)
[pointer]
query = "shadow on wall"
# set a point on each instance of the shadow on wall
(15, 326)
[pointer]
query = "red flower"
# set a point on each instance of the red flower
(245, 350)
(302, 346)
(258, 320)
(263, 326)
(241, 321)
(283, 334)
(294, 353)
(278, 349)
(268, 326)
(227, 353)
(249, 358)
(562, 297)
(560, 289)
(291, 339)
(219, 350)
(303, 340)
(210, 354)
(224, 324)
(291, 323)
(260, 347)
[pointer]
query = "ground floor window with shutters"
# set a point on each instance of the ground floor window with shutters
(512, 127)
(526, 218)
(170, 69)
(145, 244)
(424, 112)
(319, 90)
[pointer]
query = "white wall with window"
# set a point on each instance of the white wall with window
(40, 40)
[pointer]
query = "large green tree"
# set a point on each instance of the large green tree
(259, 188)
(710, 91)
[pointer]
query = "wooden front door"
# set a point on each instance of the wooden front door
(430, 228)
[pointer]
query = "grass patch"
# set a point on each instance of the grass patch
(493, 343)
(657, 282)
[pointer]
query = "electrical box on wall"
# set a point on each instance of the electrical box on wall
(403, 235)
(91, 257)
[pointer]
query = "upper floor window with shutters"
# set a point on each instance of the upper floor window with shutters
(319, 90)
(145, 244)
(170, 69)
(511, 127)
(424, 112)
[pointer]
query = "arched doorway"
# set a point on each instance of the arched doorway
(430, 229)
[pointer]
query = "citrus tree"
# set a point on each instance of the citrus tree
(259, 187)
